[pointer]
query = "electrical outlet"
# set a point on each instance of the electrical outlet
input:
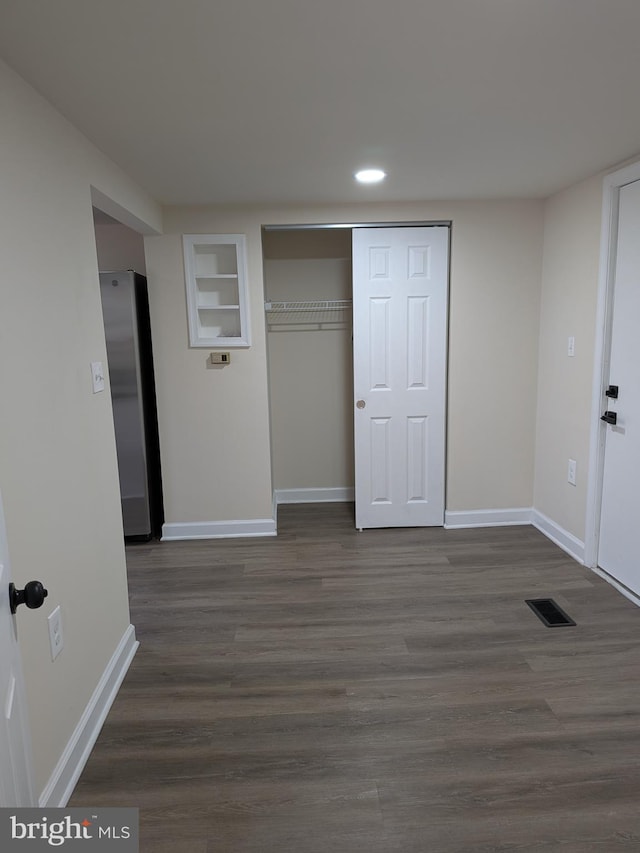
(571, 346)
(571, 472)
(55, 632)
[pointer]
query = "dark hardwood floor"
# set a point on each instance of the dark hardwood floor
(378, 692)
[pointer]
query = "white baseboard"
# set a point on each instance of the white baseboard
(219, 529)
(487, 517)
(67, 771)
(565, 540)
(312, 496)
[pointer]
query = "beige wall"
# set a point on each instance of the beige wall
(119, 248)
(568, 308)
(311, 386)
(311, 370)
(493, 349)
(214, 425)
(58, 473)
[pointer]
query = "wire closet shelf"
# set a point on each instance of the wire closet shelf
(319, 314)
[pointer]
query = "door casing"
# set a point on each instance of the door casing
(16, 779)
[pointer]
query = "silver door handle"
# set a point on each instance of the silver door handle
(360, 404)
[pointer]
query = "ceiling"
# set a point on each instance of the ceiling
(280, 101)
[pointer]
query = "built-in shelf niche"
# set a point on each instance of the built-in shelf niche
(216, 282)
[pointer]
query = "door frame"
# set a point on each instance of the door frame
(604, 329)
(20, 696)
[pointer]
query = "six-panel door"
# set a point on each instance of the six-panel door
(400, 282)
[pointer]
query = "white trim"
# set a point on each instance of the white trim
(218, 529)
(487, 517)
(311, 496)
(608, 237)
(561, 537)
(59, 788)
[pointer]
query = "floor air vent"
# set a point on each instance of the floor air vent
(548, 612)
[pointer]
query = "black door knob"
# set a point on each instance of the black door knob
(33, 595)
(610, 418)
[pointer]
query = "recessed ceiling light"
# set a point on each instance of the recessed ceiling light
(370, 176)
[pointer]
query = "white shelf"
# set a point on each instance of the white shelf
(317, 314)
(205, 277)
(202, 306)
(217, 298)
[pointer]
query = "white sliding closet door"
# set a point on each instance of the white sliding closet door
(400, 283)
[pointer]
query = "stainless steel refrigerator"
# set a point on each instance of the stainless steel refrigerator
(125, 310)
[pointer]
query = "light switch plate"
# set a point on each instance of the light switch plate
(97, 376)
(56, 639)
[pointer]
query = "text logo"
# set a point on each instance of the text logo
(34, 830)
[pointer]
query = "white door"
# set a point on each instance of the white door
(620, 515)
(15, 752)
(400, 279)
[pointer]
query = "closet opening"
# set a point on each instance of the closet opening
(359, 307)
(308, 299)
